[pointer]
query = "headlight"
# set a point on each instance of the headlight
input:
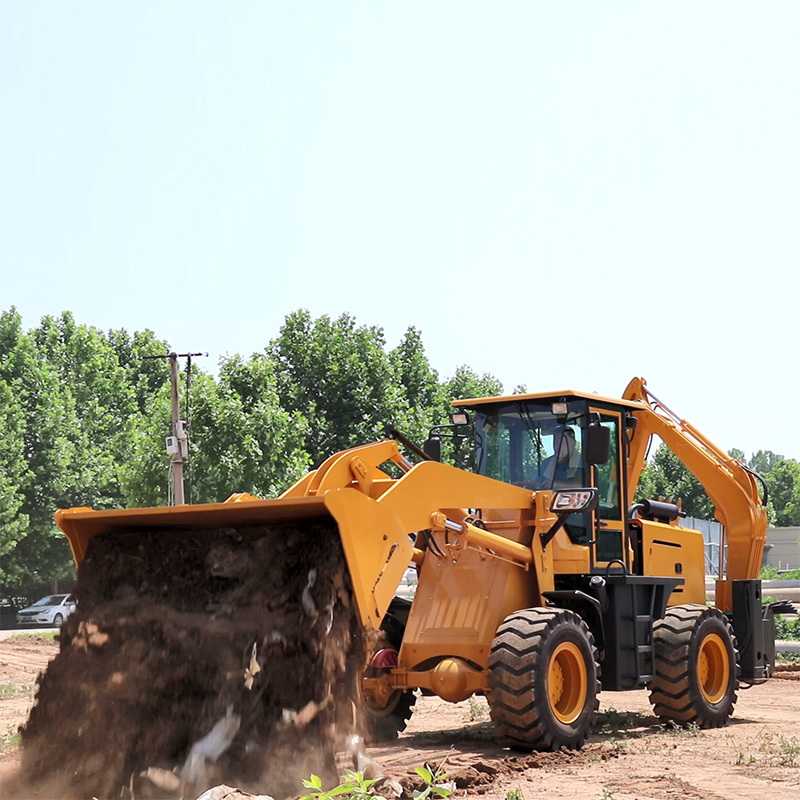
(574, 501)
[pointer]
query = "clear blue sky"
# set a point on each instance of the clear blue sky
(562, 194)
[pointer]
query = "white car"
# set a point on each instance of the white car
(51, 611)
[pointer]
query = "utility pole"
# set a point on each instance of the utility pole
(180, 433)
(178, 443)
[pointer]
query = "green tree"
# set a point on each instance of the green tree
(422, 401)
(14, 476)
(763, 462)
(467, 383)
(667, 478)
(784, 493)
(339, 377)
(34, 554)
(242, 440)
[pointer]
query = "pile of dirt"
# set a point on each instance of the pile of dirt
(202, 656)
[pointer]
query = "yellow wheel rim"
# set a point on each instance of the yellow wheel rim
(713, 668)
(567, 682)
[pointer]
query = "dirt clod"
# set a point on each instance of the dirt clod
(194, 654)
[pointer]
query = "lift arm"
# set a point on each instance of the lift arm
(732, 487)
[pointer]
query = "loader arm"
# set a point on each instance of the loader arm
(732, 488)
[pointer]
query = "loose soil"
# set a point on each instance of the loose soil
(631, 755)
(198, 652)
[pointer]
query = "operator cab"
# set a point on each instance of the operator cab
(565, 441)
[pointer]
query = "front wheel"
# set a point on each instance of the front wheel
(543, 680)
(696, 670)
(387, 714)
(57, 620)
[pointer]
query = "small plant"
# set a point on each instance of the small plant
(781, 751)
(351, 784)
(691, 729)
(8, 690)
(514, 794)
(788, 750)
(435, 783)
(743, 759)
(616, 745)
(477, 710)
(606, 794)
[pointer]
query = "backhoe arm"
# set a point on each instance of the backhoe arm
(732, 488)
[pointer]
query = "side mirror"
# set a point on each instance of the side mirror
(433, 448)
(597, 443)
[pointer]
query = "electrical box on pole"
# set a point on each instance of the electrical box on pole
(178, 443)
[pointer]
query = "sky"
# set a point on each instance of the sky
(564, 195)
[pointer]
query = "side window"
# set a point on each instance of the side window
(608, 483)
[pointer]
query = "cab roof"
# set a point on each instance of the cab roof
(567, 394)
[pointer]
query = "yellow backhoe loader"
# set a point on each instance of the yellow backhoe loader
(540, 580)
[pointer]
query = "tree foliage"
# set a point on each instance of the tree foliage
(666, 477)
(84, 415)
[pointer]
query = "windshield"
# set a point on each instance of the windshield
(51, 600)
(526, 444)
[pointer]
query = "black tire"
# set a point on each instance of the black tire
(386, 721)
(697, 667)
(543, 680)
(57, 620)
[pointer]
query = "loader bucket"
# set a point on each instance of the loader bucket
(376, 549)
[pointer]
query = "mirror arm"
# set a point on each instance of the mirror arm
(547, 537)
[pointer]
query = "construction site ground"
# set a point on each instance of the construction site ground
(631, 755)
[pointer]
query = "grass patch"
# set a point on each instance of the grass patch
(9, 740)
(773, 751)
(9, 690)
(36, 634)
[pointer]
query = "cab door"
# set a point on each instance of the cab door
(608, 542)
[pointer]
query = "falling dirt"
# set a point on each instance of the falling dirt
(212, 656)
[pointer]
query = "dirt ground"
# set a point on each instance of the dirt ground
(631, 756)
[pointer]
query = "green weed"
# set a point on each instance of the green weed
(691, 729)
(9, 740)
(476, 709)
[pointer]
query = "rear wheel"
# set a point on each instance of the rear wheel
(696, 671)
(543, 680)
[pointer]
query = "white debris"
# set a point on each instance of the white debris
(307, 600)
(252, 670)
(329, 623)
(211, 746)
(162, 778)
(362, 763)
(307, 713)
(224, 792)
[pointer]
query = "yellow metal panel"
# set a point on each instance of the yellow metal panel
(670, 551)
(457, 608)
(82, 524)
(377, 548)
